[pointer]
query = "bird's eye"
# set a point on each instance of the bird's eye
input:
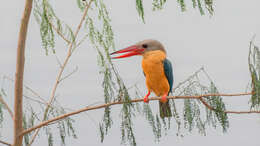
(144, 45)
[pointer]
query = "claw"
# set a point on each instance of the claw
(164, 98)
(146, 99)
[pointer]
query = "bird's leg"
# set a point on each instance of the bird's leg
(164, 98)
(146, 100)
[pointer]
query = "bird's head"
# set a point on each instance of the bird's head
(139, 48)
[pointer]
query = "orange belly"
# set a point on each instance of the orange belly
(156, 80)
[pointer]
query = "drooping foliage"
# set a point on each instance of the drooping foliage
(48, 23)
(254, 68)
(140, 8)
(202, 5)
(195, 115)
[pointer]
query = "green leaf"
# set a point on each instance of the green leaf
(254, 68)
(158, 4)
(50, 139)
(101, 131)
(182, 4)
(81, 5)
(200, 7)
(140, 8)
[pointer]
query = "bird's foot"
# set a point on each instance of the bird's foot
(164, 98)
(146, 99)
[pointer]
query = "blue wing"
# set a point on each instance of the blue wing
(168, 72)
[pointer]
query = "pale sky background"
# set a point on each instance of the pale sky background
(219, 43)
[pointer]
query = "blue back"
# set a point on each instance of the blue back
(168, 72)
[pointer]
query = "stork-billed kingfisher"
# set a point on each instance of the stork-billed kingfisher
(157, 70)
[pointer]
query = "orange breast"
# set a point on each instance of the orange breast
(152, 65)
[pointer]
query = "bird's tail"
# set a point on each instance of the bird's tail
(165, 109)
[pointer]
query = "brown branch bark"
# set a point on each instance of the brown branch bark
(58, 79)
(228, 112)
(59, 33)
(18, 91)
(206, 104)
(88, 108)
(3, 142)
(59, 76)
(7, 107)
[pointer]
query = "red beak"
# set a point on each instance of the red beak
(132, 50)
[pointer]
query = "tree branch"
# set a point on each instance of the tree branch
(59, 77)
(206, 104)
(3, 142)
(88, 108)
(228, 112)
(7, 107)
(18, 90)
(59, 33)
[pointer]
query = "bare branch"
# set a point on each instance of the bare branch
(183, 82)
(74, 71)
(59, 33)
(228, 112)
(81, 41)
(88, 108)
(206, 104)
(58, 61)
(6, 106)
(3, 142)
(68, 55)
(242, 112)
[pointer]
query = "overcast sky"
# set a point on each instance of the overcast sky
(219, 43)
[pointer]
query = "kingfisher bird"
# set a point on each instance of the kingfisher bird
(157, 70)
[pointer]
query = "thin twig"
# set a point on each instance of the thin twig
(28, 88)
(242, 112)
(6, 106)
(228, 112)
(68, 54)
(71, 73)
(38, 101)
(59, 76)
(133, 101)
(59, 33)
(82, 40)
(67, 57)
(193, 75)
(206, 104)
(58, 61)
(3, 142)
